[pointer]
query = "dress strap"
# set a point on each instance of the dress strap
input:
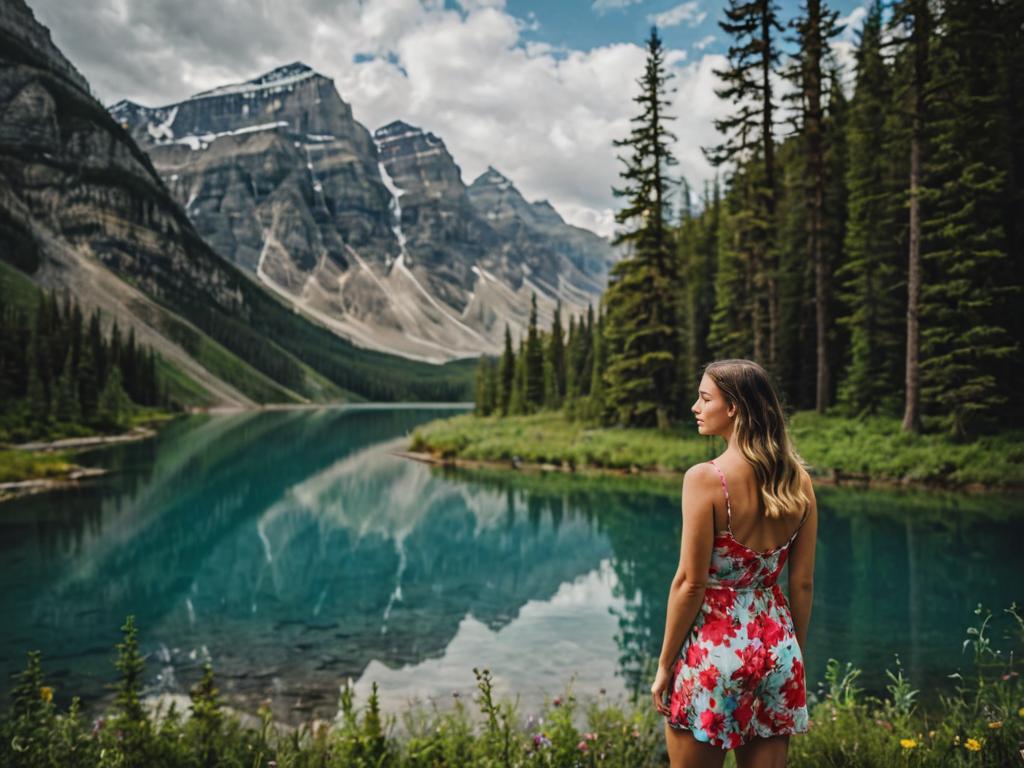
(728, 505)
(807, 509)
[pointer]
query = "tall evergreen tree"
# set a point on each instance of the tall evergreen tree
(641, 323)
(815, 26)
(872, 286)
(915, 16)
(966, 301)
(533, 390)
(750, 134)
(506, 374)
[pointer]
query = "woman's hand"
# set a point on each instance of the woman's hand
(659, 688)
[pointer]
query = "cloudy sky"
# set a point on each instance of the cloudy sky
(537, 88)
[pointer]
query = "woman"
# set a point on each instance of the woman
(731, 663)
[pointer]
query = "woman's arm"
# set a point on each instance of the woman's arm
(687, 590)
(801, 568)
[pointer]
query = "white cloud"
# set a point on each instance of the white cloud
(704, 42)
(545, 117)
(689, 11)
(603, 6)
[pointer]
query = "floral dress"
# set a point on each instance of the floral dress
(740, 673)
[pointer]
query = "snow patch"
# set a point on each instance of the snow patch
(197, 141)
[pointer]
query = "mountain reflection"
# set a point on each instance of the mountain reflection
(296, 551)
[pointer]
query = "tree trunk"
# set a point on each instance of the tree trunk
(919, 39)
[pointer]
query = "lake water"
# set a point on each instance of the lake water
(295, 551)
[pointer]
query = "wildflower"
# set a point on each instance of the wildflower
(558, 701)
(98, 724)
(996, 724)
(272, 764)
(931, 734)
(972, 745)
(590, 735)
(582, 746)
(636, 734)
(541, 740)
(1020, 712)
(46, 693)
(908, 743)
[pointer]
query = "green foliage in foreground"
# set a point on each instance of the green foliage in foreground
(980, 724)
(875, 447)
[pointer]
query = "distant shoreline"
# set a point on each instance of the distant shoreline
(837, 478)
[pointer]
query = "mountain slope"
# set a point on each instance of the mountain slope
(376, 237)
(81, 206)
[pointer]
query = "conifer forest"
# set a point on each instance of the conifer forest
(862, 238)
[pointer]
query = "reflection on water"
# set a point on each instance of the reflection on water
(295, 551)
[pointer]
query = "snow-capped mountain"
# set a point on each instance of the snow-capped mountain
(376, 236)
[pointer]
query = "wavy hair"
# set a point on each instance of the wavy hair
(761, 433)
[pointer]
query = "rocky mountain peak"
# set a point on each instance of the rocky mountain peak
(279, 78)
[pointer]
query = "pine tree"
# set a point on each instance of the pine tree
(915, 16)
(750, 136)
(207, 717)
(114, 407)
(596, 404)
(67, 408)
(731, 332)
(557, 347)
(533, 389)
(517, 402)
(641, 324)
(506, 374)
(872, 288)
(966, 302)
(814, 28)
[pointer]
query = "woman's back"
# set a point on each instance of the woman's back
(747, 521)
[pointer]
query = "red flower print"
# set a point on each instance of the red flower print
(677, 706)
(744, 711)
(756, 662)
(712, 722)
(709, 677)
(766, 628)
(720, 601)
(793, 689)
(695, 654)
(716, 630)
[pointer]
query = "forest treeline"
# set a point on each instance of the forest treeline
(863, 243)
(61, 374)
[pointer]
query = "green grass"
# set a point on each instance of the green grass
(875, 448)
(16, 465)
(980, 724)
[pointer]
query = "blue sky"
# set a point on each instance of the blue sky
(584, 24)
(537, 89)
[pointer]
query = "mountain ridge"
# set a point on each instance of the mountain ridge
(375, 235)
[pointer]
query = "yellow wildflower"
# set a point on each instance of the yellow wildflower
(46, 693)
(908, 743)
(996, 724)
(973, 745)
(1020, 712)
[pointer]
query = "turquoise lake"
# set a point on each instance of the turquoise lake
(295, 551)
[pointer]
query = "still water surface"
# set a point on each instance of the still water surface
(295, 551)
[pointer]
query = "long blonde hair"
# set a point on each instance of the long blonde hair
(761, 433)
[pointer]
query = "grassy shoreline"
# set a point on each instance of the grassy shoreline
(870, 452)
(38, 466)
